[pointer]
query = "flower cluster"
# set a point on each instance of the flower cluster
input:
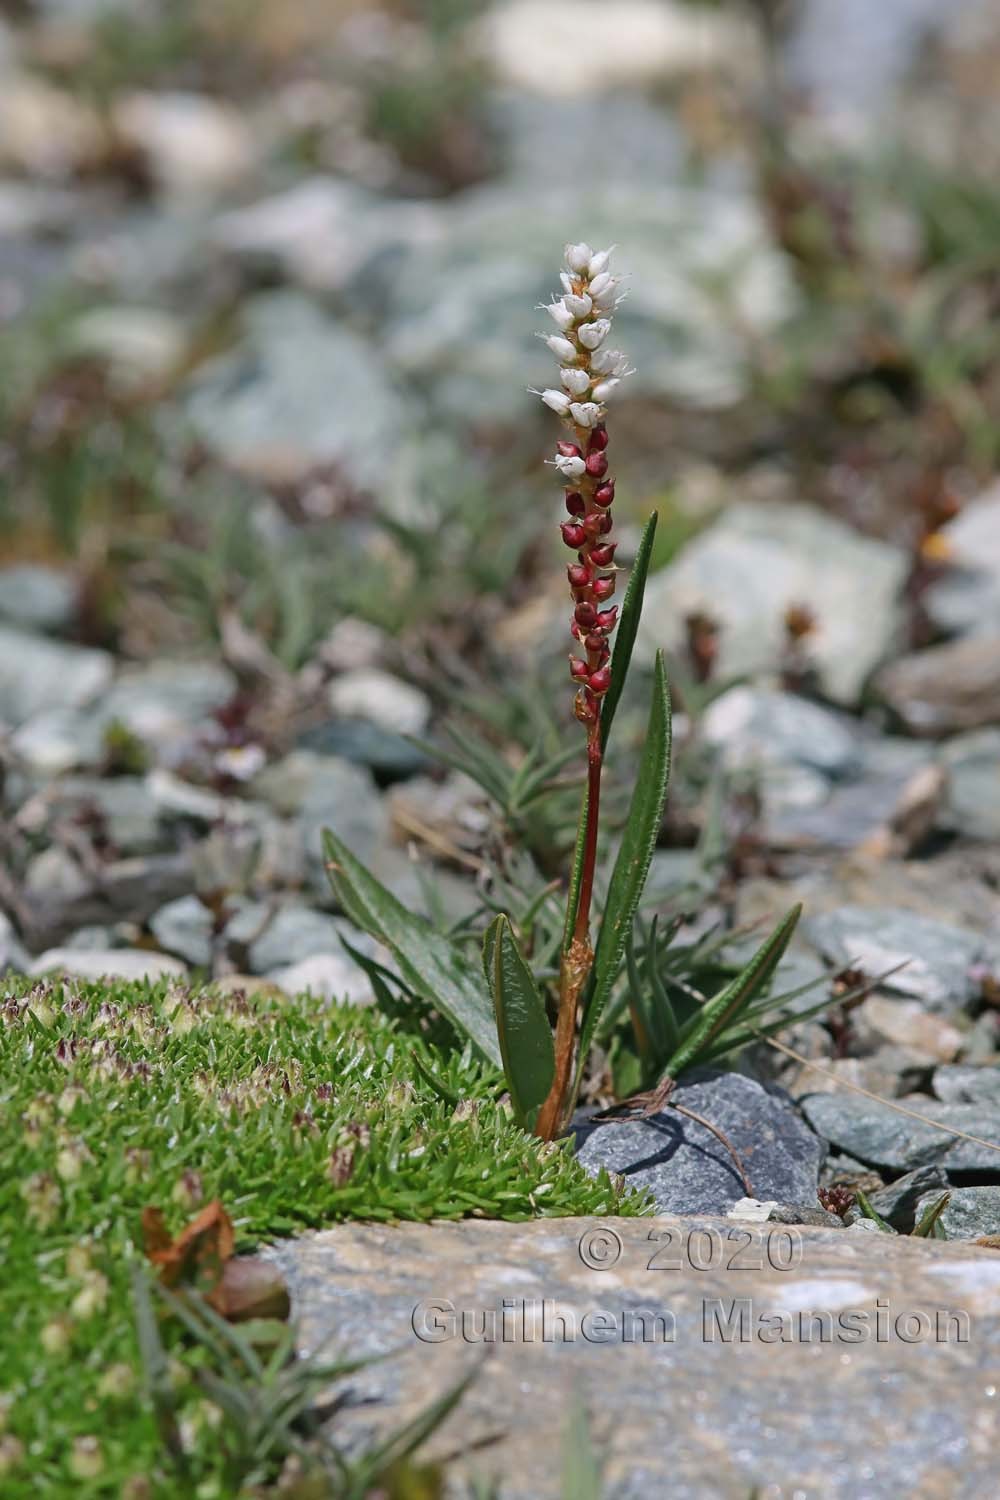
(590, 375)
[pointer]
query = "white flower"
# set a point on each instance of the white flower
(567, 281)
(556, 400)
(599, 262)
(560, 315)
(601, 284)
(585, 414)
(578, 257)
(609, 299)
(561, 348)
(570, 468)
(606, 390)
(610, 362)
(577, 382)
(580, 307)
(592, 335)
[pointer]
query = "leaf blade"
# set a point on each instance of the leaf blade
(523, 1029)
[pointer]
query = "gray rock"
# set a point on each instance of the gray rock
(55, 873)
(957, 1084)
(323, 791)
(37, 598)
(750, 1415)
(266, 409)
(388, 755)
(184, 927)
(28, 209)
(13, 957)
(60, 740)
(966, 601)
(688, 1170)
(325, 976)
(140, 345)
(972, 762)
(757, 727)
(969, 1213)
(383, 700)
(877, 1134)
(294, 932)
(37, 674)
(166, 702)
(898, 1202)
(115, 963)
(128, 816)
(193, 145)
(758, 559)
(938, 957)
(945, 689)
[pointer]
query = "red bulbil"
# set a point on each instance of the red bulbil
(596, 642)
(568, 450)
(597, 465)
(585, 614)
(604, 555)
(605, 523)
(576, 504)
(608, 618)
(598, 440)
(579, 576)
(578, 669)
(604, 588)
(600, 681)
(604, 494)
(574, 536)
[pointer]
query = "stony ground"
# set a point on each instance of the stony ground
(271, 506)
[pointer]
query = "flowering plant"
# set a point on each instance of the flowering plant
(508, 1017)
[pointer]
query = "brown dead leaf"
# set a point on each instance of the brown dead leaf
(199, 1253)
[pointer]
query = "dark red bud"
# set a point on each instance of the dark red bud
(604, 494)
(598, 440)
(608, 618)
(585, 708)
(579, 577)
(585, 614)
(600, 680)
(604, 555)
(604, 588)
(595, 642)
(574, 536)
(568, 450)
(604, 523)
(575, 504)
(578, 669)
(597, 465)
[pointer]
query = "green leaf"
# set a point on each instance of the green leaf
(522, 1025)
(628, 627)
(726, 1007)
(868, 1211)
(429, 965)
(634, 855)
(927, 1226)
(582, 1476)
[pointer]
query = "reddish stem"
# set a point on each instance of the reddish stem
(595, 762)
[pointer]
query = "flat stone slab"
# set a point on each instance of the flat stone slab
(714, 1357)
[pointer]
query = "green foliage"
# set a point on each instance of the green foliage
(522, 1025)
(117, 1097)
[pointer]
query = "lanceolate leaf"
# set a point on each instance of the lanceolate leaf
(634, 855)
(725, 1008)
(628, 626)
(522, 1025)
(429, 964)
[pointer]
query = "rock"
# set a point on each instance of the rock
(938, 958)
(758, 559)
(966, 601)
(37, 598)
(881, 1136)
(651, 40)
(956, 1084)
(969, 1213)
(130, 890)
(688, 1170)
(756, 727)
(782, 1213)
(55, 873)
(314, 233)
(13, 957)
(46, 132)
(128, 818)
(381, 699)
(115, 963)
(28, 209)
(266, 410)
(751, 1411)
(294, 932)
(389, 756)
(910, 1026)
(59, 740)
(166, 702)
(326, 792)
(193, 146)
(972, 762)
(326, 976)
(141, 345)
(185, 927)
(944, 689)
(37, 675)
(898, 1202)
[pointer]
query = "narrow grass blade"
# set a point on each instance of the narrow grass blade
(628, 627)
